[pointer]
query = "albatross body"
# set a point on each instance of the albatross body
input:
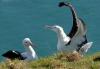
(30, 53)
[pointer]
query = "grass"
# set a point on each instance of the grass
(58, 61)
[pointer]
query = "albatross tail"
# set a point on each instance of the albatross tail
(85, 48)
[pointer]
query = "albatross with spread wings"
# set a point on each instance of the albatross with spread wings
(76, 39)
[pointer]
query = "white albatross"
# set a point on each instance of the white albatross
(30, 53)
(66, 44)
(78, 31)
(76, 39)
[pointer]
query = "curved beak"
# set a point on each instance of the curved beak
(33, 45)
(49, 27)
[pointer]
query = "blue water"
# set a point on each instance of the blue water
(27, 18)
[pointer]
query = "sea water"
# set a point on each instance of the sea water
(27, 18)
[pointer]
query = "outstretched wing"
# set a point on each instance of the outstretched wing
(78, 28)
(78, 31)
(79, 34)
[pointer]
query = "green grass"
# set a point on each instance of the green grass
(58, 61)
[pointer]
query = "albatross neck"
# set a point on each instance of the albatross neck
(29, 49)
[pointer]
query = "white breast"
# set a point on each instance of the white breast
(29, 56)
(61, 46)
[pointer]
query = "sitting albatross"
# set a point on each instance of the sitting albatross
(76, 38)
(30, 54)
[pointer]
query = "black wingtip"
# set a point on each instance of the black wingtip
(61, 4)
(3, 55)
(6, 53)
(64, 4)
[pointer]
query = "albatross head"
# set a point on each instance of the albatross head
(55, 28)
(27, 42)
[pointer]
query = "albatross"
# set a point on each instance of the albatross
(76, 39)
(66, 44)
(30, 53)
(78, 31)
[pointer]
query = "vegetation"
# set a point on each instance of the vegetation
(58, 61)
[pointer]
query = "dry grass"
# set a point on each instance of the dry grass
(69, 57)
(58, 61)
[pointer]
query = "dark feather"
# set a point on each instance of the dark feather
(13, 55)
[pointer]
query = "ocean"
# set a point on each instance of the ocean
(27, 18)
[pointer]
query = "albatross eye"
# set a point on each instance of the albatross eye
(26, 42)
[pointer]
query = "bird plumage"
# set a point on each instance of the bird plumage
(76, 37)
(30, 53)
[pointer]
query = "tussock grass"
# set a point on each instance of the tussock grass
(58, 61)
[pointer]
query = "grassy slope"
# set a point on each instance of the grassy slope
(53, 62)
